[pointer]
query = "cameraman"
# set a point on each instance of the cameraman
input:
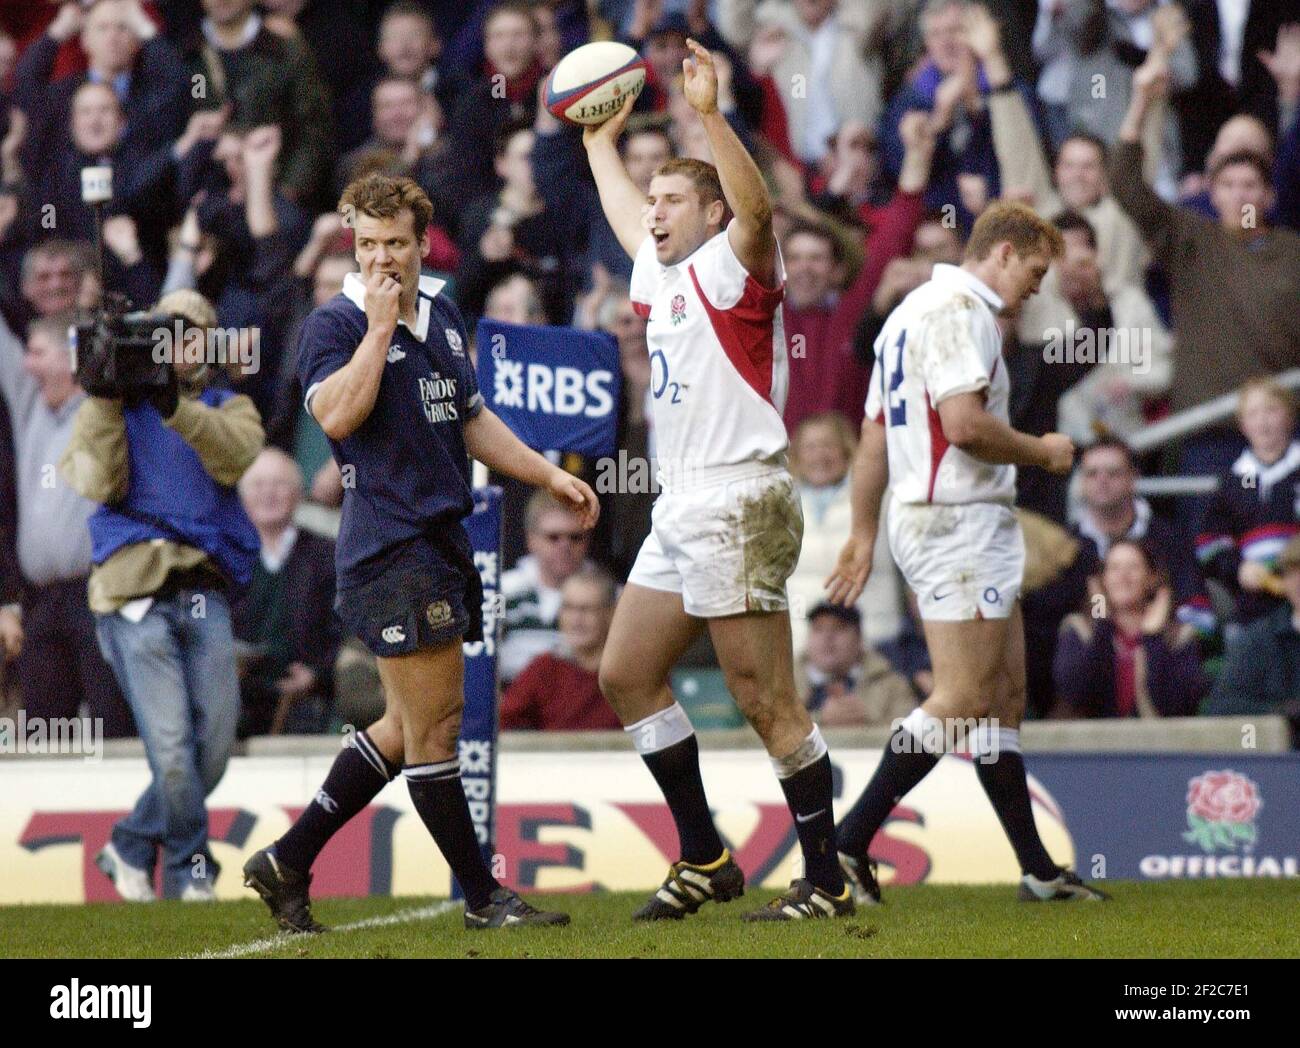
(169, 541)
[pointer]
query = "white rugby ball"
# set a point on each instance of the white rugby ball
(591, 82)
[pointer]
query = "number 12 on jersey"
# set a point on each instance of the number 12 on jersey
(890, 380)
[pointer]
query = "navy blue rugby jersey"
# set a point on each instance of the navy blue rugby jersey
(405, 468)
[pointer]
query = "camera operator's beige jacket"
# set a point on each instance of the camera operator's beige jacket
(96, 465)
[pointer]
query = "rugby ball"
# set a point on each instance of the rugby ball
(590, 83)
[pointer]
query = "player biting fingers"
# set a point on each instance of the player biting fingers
(389, 379)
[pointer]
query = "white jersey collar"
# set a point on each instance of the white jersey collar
(354, 289)
(251, 28)
(1137, 530)
(685, 262)
(949, 274)
(1249, 464)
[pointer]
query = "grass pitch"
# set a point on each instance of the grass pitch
(1241, 918)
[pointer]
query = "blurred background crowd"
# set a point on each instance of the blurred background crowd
(1161, 138)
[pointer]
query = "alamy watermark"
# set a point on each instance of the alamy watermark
(184, 343)
(44, 736)
(978, 736)
(1075, 344)
(626, 474)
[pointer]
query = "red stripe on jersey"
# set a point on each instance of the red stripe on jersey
(641, 309)
(1268, 531)
(938, 445)
(746, 331)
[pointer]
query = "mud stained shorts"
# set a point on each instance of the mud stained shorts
(962, 562)
(727, 543)
(418, 594)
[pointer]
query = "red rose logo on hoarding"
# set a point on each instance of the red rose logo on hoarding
(1221, 810)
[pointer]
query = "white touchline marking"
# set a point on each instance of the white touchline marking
(421, 913)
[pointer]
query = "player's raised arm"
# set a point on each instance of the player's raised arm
(620, 199)
(866, 492)
(751, 234)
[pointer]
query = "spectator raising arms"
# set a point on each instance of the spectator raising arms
(1078, 180)
(60, 667)
(815, 54)
(123, 50)
(1112, 397)
(820, 318)
(1234, 282)
(267, 79)
(953, 86)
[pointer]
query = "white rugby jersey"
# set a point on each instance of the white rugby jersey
(941, 340)
(718, 364)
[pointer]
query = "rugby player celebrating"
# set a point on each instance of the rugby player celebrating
(936, 433)
(726, 527)
(387, 375)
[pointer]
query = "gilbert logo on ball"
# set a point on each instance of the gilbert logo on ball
(591, 82)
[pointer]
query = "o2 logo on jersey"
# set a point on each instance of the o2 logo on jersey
(552, 391)
(659, 382)
(677, 309)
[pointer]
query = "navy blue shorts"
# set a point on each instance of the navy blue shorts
(418, 594)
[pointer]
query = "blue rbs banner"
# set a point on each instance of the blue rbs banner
(556, 388)
(1156, 817)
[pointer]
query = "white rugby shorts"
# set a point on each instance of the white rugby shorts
(726, 540)
(962, 561)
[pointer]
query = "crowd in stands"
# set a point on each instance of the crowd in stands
(1162, 138)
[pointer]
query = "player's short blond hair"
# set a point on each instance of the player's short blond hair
(703, 176)
(1019, 225)
(384, 196)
